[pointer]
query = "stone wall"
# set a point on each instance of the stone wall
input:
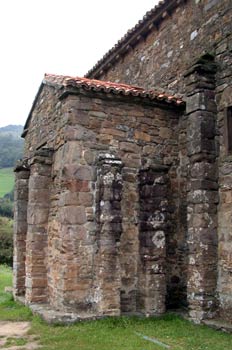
(160, 59)
(20, 227)
(129, 218)
(108, 158)
(224, 100)
(45, 122)
(107, 143)
(202, 197)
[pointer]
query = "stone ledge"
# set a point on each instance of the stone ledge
(52, 316)
(219, 325)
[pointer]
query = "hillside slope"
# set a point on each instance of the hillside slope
(11, 145)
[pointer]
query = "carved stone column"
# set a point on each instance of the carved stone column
(108, 276)
(202, 195)
(20, 226)
(37, 219)
(153, 229)
(129, 243)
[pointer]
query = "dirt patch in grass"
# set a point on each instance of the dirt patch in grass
(14, 336)
(10, 329)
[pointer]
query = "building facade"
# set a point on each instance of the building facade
(124, 195)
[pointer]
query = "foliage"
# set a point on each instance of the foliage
(122, 333)
(6, 215)
(6, 208)
(9, 309)
(6, 181)
(6, 241)
(11, 145)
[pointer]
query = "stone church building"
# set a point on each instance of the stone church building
(123, 200)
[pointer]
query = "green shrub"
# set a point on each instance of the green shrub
(6, 207)
(6, 241)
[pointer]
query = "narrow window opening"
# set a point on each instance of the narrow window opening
(229, 129)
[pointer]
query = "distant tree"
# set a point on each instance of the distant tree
(10, 196)
(6, 241)
(7, 204)
(11, 145)
(6, 208)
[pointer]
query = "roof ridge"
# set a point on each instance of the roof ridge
(133, 35)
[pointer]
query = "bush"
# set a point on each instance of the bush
(6, 205)
(6, 241)
(10, 196)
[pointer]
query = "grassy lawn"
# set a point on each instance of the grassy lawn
(115, 333)
(6, 181)
(9, 310)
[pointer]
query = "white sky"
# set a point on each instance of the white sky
(55, 36)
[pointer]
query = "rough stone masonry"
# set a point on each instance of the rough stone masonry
(123, 197)
(94, 190)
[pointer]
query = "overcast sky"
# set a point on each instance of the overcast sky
(55, 36)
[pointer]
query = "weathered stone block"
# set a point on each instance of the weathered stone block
(77, 185)
(79, 172)
(204, 170)
(79, 134)
(37, 216)
(72, 215)
(129, 147)
(37, 182)
(139, 135)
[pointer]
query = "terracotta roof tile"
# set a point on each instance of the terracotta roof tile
(110, 87)
(144, 26)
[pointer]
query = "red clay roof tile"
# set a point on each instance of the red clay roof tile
(110, 87)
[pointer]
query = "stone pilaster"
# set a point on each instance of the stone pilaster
(202, 195)
(72, 232)
(37, 220)
(129, 243)
(20, 226)
(108, 275)
(153, 191)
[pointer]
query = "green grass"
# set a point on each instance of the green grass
(6, 181)
(15, 342)
(116, 333)
(9, 309)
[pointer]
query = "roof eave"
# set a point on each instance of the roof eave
(25, 129)
(154, 100)
(133, 37)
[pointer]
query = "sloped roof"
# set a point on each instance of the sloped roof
(107, 87)
(150, 21)
(110, 88)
